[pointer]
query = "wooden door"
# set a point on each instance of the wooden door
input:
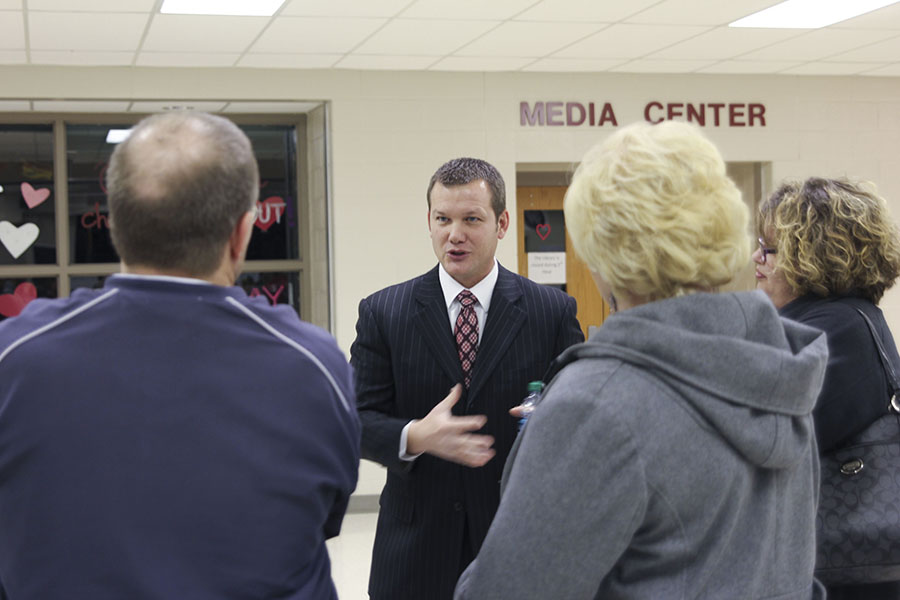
(592, 309)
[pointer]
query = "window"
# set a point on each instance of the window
(54, 220)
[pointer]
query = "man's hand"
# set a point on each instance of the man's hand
(447, 436)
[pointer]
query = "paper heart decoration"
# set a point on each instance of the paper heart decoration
(270, 211)
(12, 304)
(543, 230)
(18, 239)
(32, 196)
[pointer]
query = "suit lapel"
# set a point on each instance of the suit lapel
(504, 320)
(434, 326)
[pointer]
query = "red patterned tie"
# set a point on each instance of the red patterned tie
(467, 333)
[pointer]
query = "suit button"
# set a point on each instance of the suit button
(457, 506)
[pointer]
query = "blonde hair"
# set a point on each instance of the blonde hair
(833, 237)
(652, 211)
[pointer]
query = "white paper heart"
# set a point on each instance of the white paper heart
(18, 239)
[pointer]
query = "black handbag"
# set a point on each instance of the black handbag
(858, 522)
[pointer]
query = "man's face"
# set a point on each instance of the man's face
(464, 230)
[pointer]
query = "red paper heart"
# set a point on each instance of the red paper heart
(543, 230)
(12, 304)
(32, 196)
(270, 211)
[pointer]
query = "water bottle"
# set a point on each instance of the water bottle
(530, 402)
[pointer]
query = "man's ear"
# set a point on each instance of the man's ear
(502, 224)
(240, 236)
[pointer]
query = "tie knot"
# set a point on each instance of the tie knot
(466, 298)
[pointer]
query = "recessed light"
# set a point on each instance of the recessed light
(239, 8)
(117, 136)
(809, 14)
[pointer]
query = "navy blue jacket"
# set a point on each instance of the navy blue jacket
(164, 439)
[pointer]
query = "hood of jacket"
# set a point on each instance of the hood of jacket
(749, 374)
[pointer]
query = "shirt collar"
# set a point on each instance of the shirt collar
(483, 290)
(170, 278)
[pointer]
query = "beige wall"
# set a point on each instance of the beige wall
(389, 131)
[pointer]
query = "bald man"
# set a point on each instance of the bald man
(167, 436)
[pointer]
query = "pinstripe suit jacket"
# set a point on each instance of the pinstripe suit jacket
(406, 361)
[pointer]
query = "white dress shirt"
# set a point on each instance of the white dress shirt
(483, 291)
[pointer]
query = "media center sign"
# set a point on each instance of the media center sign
(704, 114)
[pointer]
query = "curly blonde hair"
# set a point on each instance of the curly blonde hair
(651, 210)
(834, 237)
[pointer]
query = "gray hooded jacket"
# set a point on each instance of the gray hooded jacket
(672, 457)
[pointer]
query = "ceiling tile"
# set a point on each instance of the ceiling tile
(315, 35)
(289, 61)
(12, 57)
(196, 33)
(342, 8)
(749, 67)
(818, 44)
(81, 57)
(883, 18)
(724, 42)
(584, 11)
(460, 9)
(557, 65)
(629, 41)
(830, 68)
(12, 30)
(270, 107)
(85, 31)
(187, 59)
(164, 105)
(145, 6)
(528, 39)
(419, 37)
(661, 66)
(699, 12)
(885, 51)
(10, 4)
(385, 63)
(474, 63)
(15, 105)
(80, 106)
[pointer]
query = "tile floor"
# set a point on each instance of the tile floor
(351, 555)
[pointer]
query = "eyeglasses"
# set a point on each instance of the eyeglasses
(765, 250)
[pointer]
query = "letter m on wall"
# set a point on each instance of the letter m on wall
(531, 116)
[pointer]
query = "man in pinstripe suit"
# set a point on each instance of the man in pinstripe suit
(445, 448)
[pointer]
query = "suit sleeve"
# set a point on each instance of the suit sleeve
(570, 329)
(370, 356)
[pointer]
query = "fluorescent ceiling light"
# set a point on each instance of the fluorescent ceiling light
(239, 8)
(809, 14)
(117, 136)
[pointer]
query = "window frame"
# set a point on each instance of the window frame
(313, 264)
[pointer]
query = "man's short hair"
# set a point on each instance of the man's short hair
(461, 171)
(177, 187)
(653, 212)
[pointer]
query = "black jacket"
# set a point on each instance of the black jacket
(856, 390)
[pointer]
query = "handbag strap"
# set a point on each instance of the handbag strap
(894, 404)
